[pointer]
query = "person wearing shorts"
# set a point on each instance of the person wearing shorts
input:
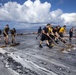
(5, 33)
(45, 36)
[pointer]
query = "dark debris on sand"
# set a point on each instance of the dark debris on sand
(10, 63)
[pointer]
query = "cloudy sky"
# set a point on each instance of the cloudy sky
(20, 13)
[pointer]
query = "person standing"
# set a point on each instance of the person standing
(39, 32)
(13, 33)
(5, 33)
(0, 35)
(75, 32)
(71, 34)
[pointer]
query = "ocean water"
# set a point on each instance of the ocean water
(26, 30)
(28, 27)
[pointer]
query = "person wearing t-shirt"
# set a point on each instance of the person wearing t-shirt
(71, 33)
(61, 32)
(45, 36)
(5, 33)
(13, 33)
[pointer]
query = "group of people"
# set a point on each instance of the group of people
(53, 34)
(6, 36)
(49, 33)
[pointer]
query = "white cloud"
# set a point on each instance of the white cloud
(35, 11)
(56, 16)
(69, 18)
(28, 12)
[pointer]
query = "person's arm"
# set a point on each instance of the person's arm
(43, 32)
(64, 31)
(52, 33)
(5, 32)
(56, 33)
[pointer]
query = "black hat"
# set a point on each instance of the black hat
(48, 24)
(64, 26)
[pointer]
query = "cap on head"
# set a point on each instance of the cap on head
(64, 26)
(7, 25)
(48, 24)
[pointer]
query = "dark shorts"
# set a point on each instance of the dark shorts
(52, 36)
(71, 35)
(61, 34)
(13, 35)
(5, 34)
(44, 37)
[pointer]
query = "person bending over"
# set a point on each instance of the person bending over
(61, 32)
(5, 33)
(13, 33)
(45, 36)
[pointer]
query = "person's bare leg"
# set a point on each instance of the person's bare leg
(13, 38)
(0, 39)
(47, 42)
(7, 39)
(40, 44)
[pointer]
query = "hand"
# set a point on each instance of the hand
(47, 34)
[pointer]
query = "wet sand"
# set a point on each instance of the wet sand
(29, 59)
